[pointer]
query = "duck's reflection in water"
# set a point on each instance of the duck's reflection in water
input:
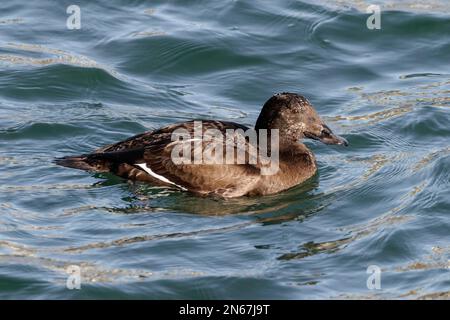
(296, 203)
(265, 208)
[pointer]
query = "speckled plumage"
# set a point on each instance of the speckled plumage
(290, 113)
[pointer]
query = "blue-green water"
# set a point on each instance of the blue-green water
(137, 65)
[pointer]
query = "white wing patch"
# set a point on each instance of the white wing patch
(158, 176)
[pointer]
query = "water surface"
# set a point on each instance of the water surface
(138, 65)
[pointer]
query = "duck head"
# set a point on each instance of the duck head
(295, 118)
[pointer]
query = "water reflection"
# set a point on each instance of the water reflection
(144, 197)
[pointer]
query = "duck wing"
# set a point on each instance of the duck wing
(150, 157)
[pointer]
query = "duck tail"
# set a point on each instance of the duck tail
(83, 162)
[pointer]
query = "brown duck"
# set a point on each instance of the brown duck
(149, 156)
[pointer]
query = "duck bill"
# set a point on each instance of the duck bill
(328, 138)
(334, 139)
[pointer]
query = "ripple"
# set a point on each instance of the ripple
(419, 75)
(436, 6)
(91, 273)
(383, 200)
(396, 103)
(11, 21)
(39, 130)
(430, 157)
(59, 57)
(145, 238)
(311, 248)
(358, 232)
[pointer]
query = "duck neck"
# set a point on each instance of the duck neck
(296, 164)
(295, 150)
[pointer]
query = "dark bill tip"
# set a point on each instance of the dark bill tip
(329, 138)
(334, 139)
(341, 141)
